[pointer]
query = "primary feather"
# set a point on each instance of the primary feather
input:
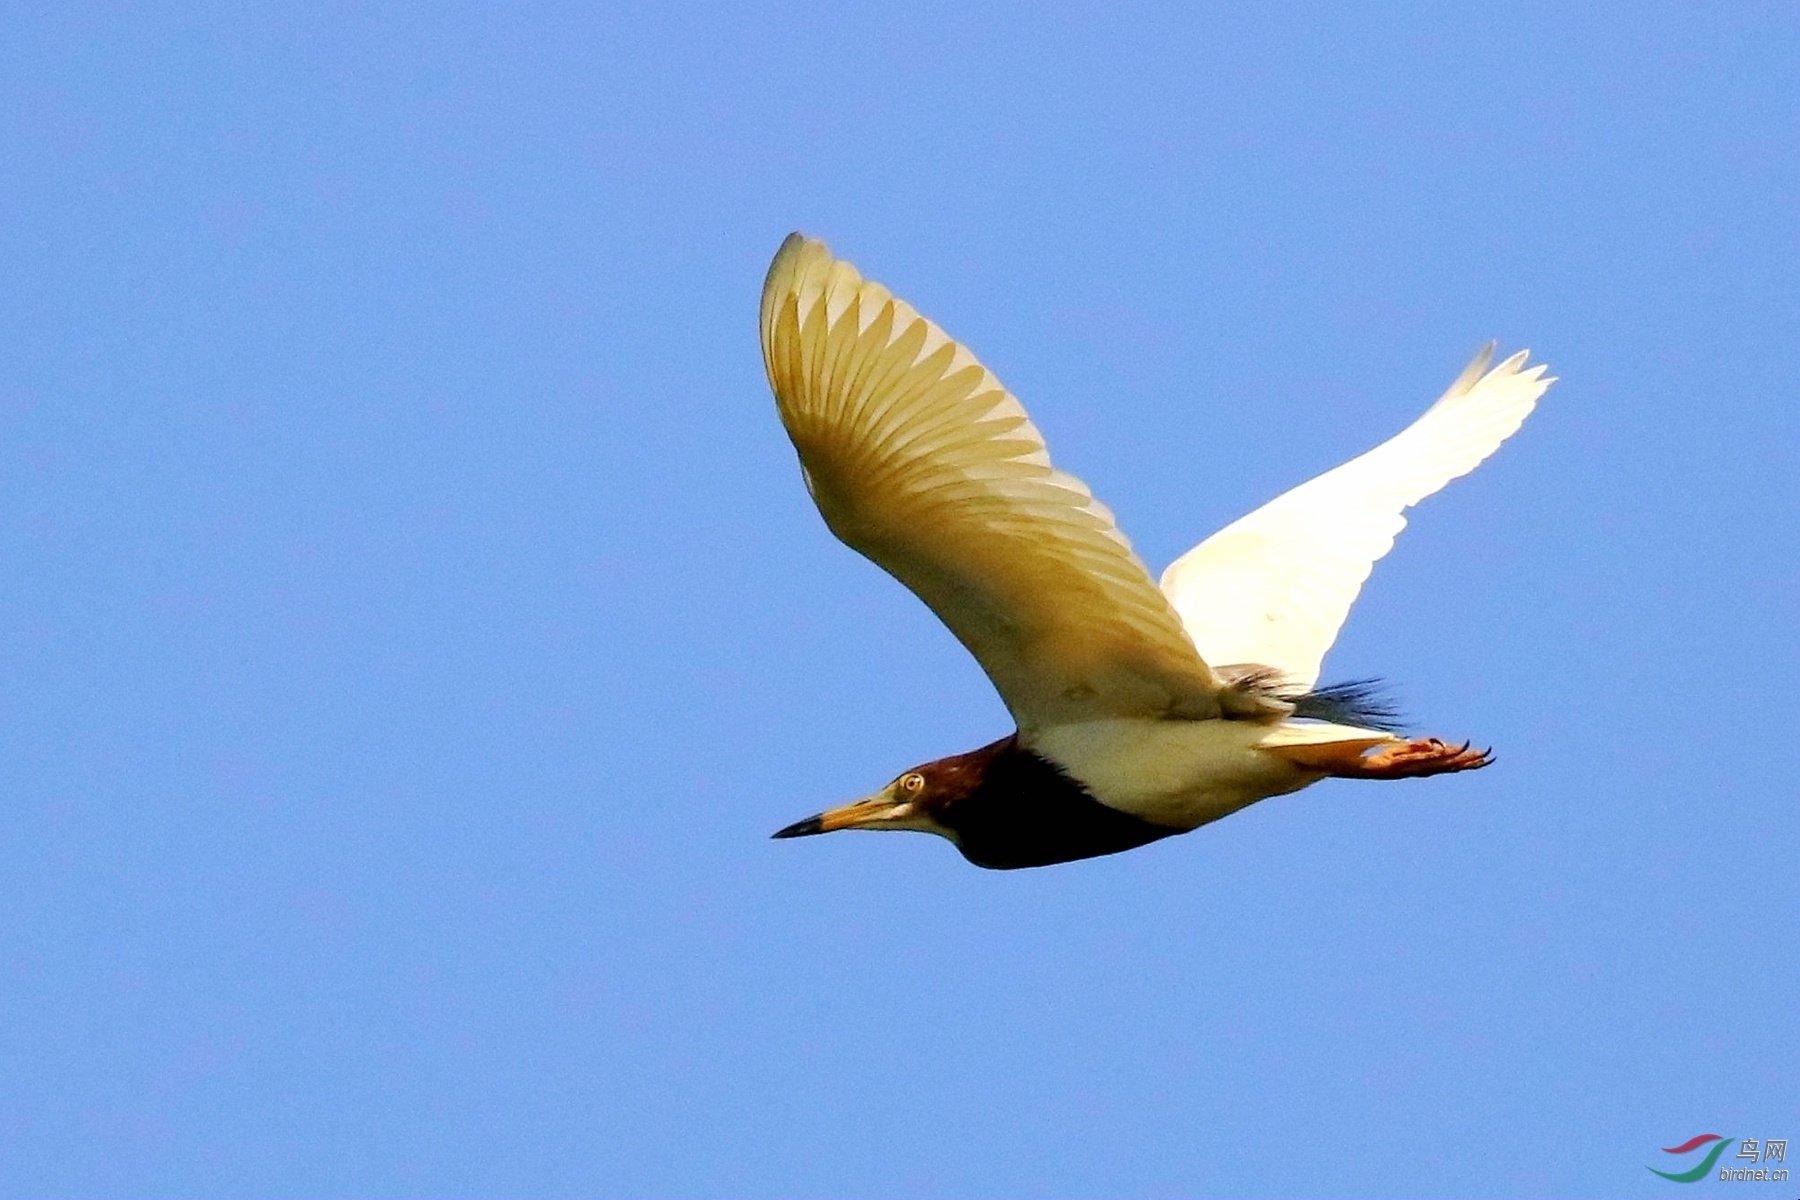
(1274, 587)
(919, 459)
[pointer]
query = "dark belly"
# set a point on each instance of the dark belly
(1027, 813)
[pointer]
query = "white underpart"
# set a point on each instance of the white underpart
(1186, 773)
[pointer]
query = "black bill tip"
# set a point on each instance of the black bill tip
(800, 828)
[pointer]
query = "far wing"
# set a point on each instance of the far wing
(1274, 587)
(919, 459)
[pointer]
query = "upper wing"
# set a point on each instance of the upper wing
(1275, 586)
(919, 459)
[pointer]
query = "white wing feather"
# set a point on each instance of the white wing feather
(1275, 586)
(919, 459)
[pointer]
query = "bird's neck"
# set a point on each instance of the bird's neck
(1022, 810)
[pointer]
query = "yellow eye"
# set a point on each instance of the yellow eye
(912, 782)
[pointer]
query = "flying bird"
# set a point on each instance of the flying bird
(1142, 711)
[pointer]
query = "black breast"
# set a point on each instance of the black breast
(1025, 812)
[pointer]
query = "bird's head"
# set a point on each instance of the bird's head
(909, 802)
(920, 799)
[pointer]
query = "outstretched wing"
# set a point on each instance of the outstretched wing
(1274, 587)
(919, 459)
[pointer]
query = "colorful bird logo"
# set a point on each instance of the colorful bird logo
(1706, 1164)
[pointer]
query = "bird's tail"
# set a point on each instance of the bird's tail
(1363, 703)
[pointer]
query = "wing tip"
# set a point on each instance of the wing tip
(802, 268)
(1519, 363)
(796, 249)
(1513, 371)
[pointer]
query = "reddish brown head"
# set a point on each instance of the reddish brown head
(1002, 805)
(919, 799)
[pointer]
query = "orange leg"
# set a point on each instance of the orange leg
(1429, 756)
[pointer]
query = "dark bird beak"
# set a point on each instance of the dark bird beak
(802, 828)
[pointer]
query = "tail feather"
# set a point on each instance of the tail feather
(1364, 703)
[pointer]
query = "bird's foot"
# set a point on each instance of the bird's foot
(1428, 756)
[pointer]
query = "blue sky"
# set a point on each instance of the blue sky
(412, 621)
